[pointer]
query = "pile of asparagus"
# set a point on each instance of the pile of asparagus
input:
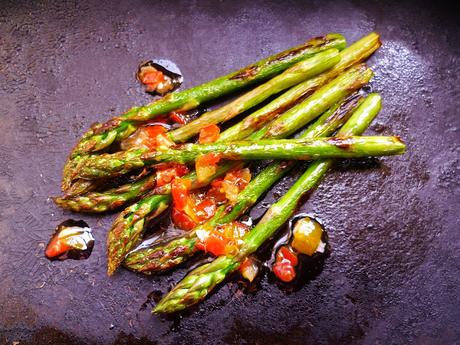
(314, 84)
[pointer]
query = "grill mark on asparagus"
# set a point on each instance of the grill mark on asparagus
(101, 128)
(349, 103)
(256, 123)
(253, 69)
(342, 143)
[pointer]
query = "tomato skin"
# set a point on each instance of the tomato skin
(182, 220)
(180, 192)
(284, 271)
(285, 253)
(209, 134)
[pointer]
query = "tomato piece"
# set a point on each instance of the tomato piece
(210, 158)
(180, 192)
(205, 209)
(165, 173)
(285, 253)
(284, 271)
(152, 78)
(209, 134)
(206, 165)
(178, 118)
(182, 220)
(224, 239)
(249, 269)
(234, 182)
(215, 244)
(56, 247)
(239, 178)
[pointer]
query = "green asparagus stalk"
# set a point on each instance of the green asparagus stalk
(114, 198)
(108, 165)
(301, 71)
(358, 51)
(162, 255)
(357, 76)
(199, 282)
(299, 149)
(100, 136)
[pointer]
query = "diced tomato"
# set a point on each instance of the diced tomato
(152, 78)
(210, 158)
(206, 165)
(165, 173)
(284, 271)
(182, 220)
(239, 178)
(180, 192)
(249, 269)
(216, 192)
(153, 133)
(285, 253)
(56, 248)
(234, 182)
(205, 209)
(224, 239)
(209, 134)
(177, 117)
(215, 244)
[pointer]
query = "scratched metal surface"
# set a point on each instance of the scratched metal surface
(394, 270)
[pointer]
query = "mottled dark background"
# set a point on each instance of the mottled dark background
(394, 272)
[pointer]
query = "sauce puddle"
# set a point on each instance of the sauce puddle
(71, 240)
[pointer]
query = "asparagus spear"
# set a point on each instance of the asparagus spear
(351, 55)
(299, 149)
(162, 255)
(301, 71)
(100, 136)
(107, 165)
(356, 52)
(356, 77)
(199, 282)
(96, 202)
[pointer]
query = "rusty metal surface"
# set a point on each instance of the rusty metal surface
(394, 270)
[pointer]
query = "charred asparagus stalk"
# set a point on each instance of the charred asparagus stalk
(301, 71)
(358, 51)
(356, 77)
(100, 136)
(103, 201)
(298, 149)
(114, 198)
(199, 282)
(162, 255)
(107, 165)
